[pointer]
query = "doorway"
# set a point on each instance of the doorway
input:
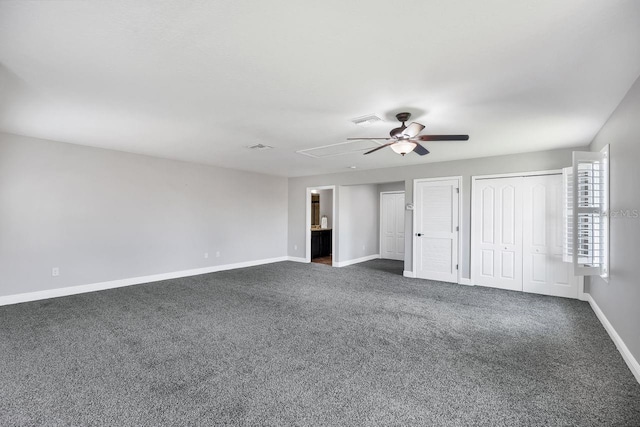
(320, 225)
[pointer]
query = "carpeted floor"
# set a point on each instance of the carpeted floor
(307, 344)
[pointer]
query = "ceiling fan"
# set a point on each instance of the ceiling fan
(403, 139)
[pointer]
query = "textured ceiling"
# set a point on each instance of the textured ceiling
(201, 80)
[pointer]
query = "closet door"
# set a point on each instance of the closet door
(392, 226)
(544, 272)
(497, 233)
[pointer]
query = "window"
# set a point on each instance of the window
(586, 213)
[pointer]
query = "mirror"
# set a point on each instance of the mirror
(315, 210)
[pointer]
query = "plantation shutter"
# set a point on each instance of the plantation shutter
(567, 214)
(587, 213)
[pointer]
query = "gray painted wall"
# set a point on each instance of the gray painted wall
(619, 299)
(526, 162)
(102, 215)
(358, 210)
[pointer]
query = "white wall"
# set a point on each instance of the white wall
(358, 212)
(102, 215)
(619, 299)
(541, 160)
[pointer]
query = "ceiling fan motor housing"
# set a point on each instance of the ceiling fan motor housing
(397, 131)
(402, 117)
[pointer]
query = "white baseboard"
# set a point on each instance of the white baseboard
(296, 259)
(101, 286)
(631, 361)
(462, 281)
(355, 261)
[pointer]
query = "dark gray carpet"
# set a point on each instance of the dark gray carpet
(299, 344)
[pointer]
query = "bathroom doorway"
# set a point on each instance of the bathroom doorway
(320, 225)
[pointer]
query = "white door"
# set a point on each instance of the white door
(497, 233)
(436, 230)
(392, 225)
(544, 272)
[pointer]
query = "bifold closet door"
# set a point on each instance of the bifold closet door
(497, 233)
(544, 272)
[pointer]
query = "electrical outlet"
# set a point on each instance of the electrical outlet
(55, 271)
(295, 247)
(217, 254)
(364, 248)
(206, 255)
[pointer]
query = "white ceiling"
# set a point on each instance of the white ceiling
(201, 80)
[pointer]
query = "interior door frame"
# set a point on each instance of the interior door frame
(474, 178)
(307, 223)
(380, 216)
(414, 243)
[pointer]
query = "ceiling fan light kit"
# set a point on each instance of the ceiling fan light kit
(404, 147)
(402, 138)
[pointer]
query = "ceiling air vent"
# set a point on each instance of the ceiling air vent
(260, 147)
(367, 120)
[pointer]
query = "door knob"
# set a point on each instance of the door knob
(418, 234)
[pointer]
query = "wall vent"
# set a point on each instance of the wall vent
(367, 120)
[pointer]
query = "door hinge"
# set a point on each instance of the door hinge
(457, 228)
(456, 266)
(457, 189)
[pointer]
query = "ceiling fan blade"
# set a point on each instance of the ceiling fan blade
(382, 146)
(443, 137)
(420, 150)
(355, 139)
(412, 130)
